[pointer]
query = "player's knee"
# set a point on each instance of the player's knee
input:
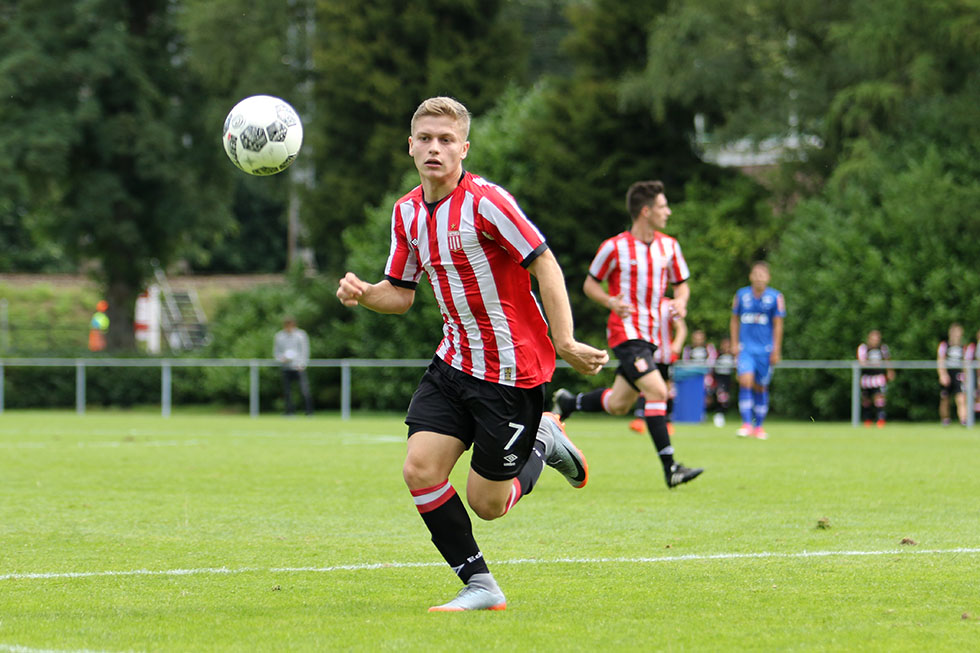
(418, 474)
(655, 390)
(619, 408)
(486, 508)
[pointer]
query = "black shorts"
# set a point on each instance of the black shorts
(955, 387)
(636, 360)
(723, 383)
(500, 422)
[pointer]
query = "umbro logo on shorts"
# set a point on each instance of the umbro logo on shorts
(510, 460)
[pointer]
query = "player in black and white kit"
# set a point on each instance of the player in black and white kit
(873, 354)
(949, 363)
(701, 351)
(722, 377)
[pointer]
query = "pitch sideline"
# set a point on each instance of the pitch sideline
(519, 561)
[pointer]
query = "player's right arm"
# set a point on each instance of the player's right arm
(603, 264)
(615, 303)
(733, 326)
(381, 297)
(941, 364)
(396, 292)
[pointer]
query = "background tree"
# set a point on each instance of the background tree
(264, 48)
(569, 148)
(375, 61)
(760, 70)
(108, 157)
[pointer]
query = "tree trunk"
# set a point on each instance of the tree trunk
(121, 296)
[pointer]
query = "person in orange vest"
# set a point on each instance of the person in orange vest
(98, 326)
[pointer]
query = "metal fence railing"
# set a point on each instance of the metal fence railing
(345, 365)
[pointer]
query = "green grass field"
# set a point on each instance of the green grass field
(130, 532)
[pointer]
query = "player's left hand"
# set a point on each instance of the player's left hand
(583, 358)
(775, 357)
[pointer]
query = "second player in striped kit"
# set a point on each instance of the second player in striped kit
(637, 266)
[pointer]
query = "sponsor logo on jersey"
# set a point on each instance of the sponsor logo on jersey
(755, 318)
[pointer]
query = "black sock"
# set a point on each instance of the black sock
(452, 531)
(531, 471)
(661, 439)
(591, 402)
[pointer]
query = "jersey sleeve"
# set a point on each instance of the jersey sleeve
(780, 305)
(736, 305)
(679, 272)
(505, 222)
(604, 260)
(402, 268)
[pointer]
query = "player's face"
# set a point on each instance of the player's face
(658, 211)
(955, 334)
(438, 147)
(874, 338)
(759, 277)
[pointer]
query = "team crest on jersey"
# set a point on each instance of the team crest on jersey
(455, 241)
(641, 365)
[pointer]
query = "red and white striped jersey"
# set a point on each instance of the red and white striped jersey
(475, 248)
(640, 272)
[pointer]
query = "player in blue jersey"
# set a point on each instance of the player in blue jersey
(757, 337)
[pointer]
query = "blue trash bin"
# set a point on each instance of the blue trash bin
(689, 399)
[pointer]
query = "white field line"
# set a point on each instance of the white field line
(13, 648)
(113, 444)
(520, 561)
(328, 439)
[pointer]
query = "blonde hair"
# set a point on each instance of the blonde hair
(444, 106)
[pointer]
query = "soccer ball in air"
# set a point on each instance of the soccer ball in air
(262, 135)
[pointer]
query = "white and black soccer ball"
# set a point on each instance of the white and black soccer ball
(262, 135)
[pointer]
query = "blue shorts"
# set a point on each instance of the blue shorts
(756, 362)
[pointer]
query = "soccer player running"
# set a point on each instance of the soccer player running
(637, 265)
(485, 387)
(872, 354)
(756, 331)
